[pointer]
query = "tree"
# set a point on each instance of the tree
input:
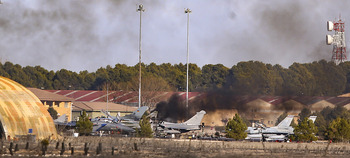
(145, 127)
(236, 128)
(213, 76)
(339, 130)
(305, 113)
(252, 78)
(298, 80)
(321, 124)
(330, 78)
(151, 87)
(53, 112)
(281, 117)
(305, 130)
(84, 125)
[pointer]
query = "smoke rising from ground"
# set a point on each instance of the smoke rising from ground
(175, 109)
(88, 34)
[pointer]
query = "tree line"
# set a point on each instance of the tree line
(319, 78)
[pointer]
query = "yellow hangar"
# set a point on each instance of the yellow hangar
(22, 113)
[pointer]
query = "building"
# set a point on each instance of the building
(62, 104)
(122, 97)
(93, 109)
(22, 113)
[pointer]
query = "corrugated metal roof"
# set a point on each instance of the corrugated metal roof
(98, 106)
(118, 96)
(48, 96)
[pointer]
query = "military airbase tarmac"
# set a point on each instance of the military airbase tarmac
(90, 146)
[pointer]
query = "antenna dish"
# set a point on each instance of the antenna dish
(329, 39)
(330, 25)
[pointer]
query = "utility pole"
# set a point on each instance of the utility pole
(187, 11)
(140, 9)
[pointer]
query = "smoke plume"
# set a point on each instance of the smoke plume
(88, 34)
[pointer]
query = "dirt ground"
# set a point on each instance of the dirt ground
(153, 147)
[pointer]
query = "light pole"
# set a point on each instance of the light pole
(187, 11)
(140, 9)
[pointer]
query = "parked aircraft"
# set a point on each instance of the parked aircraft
(276, 133)
(99, 124)
(110, 126)
(193, 123)
(61, 121)
(131, 120)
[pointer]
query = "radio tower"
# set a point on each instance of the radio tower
(338, 40)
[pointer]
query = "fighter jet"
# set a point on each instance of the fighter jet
(193, 123)
(62, 121)
(99, 124)
(110, 126)
(131, 120)
(276, 133)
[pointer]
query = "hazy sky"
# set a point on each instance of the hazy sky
(88, 34)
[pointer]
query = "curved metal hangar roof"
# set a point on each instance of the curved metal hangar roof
(22, 113)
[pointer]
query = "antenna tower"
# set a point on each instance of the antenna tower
(338, 40)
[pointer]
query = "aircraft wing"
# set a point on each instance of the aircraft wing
(61, 119)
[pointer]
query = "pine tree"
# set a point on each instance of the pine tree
(53, 112)
(305, 130)
(339, 130)
(281, 117)
(145, 127)
(84, 125)
(236, 128)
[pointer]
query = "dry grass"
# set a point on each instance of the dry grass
(146, 147)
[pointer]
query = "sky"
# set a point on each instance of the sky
(80, 35)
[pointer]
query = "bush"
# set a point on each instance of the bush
(305, 131)
(236, 128)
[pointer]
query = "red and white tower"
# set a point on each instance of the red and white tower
(338, 40)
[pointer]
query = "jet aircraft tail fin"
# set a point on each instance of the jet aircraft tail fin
(313, 118)
(286, 122)
(196, 119)
(138, 113)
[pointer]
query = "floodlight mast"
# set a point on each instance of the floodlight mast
(187, 11)
(140, 9)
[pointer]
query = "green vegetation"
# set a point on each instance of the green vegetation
(236, 128)
(305, 131)
(45, 142)
(319, 78)
(305, 113)
(53, 112)
(326, 117)
(145, 127)
(281, 117)
(84, 125)
(339, 130)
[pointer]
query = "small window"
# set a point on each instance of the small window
(66, 104)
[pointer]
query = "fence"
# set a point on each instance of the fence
(151, 147)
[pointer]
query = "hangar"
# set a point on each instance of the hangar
(22, 113)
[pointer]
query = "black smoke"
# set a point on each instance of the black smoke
(172, 110)
(175, 108)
